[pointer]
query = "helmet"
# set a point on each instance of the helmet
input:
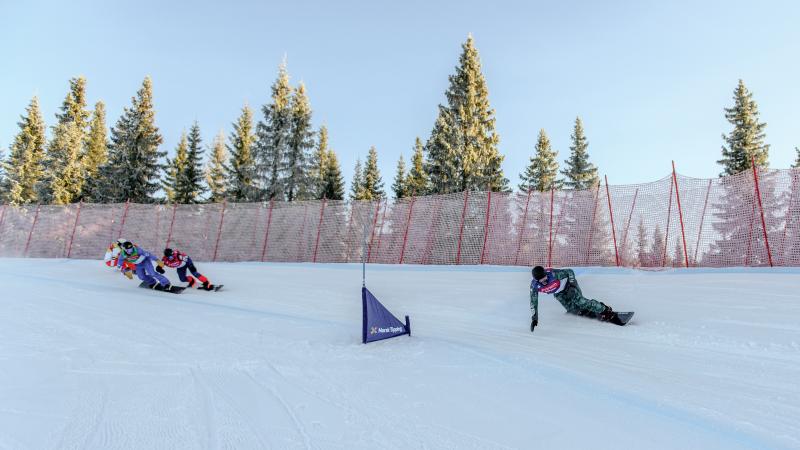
(127, 246)
(538, 273)
(168, 252)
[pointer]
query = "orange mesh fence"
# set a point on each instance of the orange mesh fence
(749, 219)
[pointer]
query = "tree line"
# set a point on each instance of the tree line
(281, 156)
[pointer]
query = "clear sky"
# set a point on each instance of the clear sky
(649, 78)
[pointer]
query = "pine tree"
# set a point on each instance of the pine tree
(176, 171)
(543, 169)
(189, 187)
(95, 153)
(24, 168)
(65, 175)
(579, 173)
(373, 184)
(318, 163)
(241, 172)
(463, 148)
(357, 184)
(215, 170)
(333, 188)
(746, 140)
(641, 246)
(658, 258)
(134, 166)
(298, 182)
(273, 137)
(399, 186)
(417, 181)
(797, 161)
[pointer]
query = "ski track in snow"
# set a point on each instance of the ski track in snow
(275, 360)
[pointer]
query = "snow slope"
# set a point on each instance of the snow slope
(87, 360)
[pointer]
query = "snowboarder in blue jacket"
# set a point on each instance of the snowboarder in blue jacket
(144, 265)
(564, 287)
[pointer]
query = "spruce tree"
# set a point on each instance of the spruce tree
(189, 188)
(417, 181)
(318, 163)
(579, 173)
(463, 148)
(641, 246)
(241, 172)
(357, 184)
(215, 170)
(273, 137)
(176, 171)
(333, 181)
(95, 153)
(298, 183)
(373, 184)
(24, 168)
(399, 186)
(746, 140)
(797, 161)
(658, 257)
(543, 169)
(134, 163)
(63, 182)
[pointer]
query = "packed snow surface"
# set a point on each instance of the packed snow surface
(87, 360)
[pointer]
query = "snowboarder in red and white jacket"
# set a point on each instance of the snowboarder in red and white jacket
(181, 262)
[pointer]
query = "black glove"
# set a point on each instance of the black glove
(159, 269)
(534, 322)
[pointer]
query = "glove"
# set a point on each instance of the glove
(534, 321)
(159, 269)
(128, 274)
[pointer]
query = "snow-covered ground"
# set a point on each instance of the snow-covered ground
(275, 360)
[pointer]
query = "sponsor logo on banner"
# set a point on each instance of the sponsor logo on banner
(380, 330)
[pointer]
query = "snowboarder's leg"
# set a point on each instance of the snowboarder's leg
(574, 302)
(200, 276)
(182, 276)
(147, 267)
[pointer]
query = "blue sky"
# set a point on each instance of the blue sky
(649, 79)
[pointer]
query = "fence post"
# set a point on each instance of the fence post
(591, 226)
(461, 232)
(266, 234)
(628, 225)
(613, 228)
(374, 223)
(702, 219)
(319, 227)
(171, 224)
(219, 230)
(486, 226)
(124, 216)
(761, 208)
(522, 228)
(550, 240)
(680, 214)
(408, 225)
(30, 233)
(74, 226)
(666, 233)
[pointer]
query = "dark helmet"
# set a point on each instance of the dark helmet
(127, 246)
(538, 273)
(168, 252)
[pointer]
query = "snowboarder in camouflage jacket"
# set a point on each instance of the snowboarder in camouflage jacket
(564, 287)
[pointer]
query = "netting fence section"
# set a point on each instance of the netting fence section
(749, 219)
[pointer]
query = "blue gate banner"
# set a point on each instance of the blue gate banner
(378, 322)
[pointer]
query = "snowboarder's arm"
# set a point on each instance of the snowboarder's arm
(534, 301)
(565, 274)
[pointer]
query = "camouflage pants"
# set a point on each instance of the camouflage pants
(572, 299)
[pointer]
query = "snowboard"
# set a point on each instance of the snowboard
(172, 289)
(622, 318)
(214, 287)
